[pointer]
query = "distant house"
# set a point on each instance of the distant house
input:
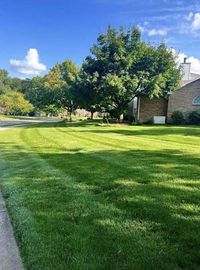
(185, 99)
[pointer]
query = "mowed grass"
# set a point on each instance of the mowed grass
(84, 196)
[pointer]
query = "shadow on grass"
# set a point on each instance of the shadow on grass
(104, 209)
(146, 130)
(150, 131)
(65, 123)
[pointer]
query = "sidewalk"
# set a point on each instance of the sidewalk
(9, 253)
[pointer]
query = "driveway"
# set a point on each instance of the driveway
(27, 121)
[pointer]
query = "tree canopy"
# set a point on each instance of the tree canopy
(120, 67)
(4, 82)
(60, 83)
(123, 66)
(15, 103)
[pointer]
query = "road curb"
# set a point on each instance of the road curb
(9, 252)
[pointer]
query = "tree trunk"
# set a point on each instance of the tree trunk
(70, 116)
(120, 118)
(92, 115)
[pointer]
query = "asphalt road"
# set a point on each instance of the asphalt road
(28, 121)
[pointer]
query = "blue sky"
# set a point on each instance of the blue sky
(61, 29)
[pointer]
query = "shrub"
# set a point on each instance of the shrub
(14, 103)
(131, 119)
(137, 122)
(177, 118)
(194, 118)
(149, 122)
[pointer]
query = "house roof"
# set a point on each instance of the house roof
(193, 77)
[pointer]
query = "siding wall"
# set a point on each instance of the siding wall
(152, 107)
(182, 99)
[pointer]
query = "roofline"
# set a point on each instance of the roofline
(190, 82)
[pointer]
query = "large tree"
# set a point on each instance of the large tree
(61, 83)
(34, 91)
(86, 92)
(126, 67)
(16, 84)
(5, 82)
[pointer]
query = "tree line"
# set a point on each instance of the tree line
(120, 67)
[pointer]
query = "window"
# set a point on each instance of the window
(196, 101)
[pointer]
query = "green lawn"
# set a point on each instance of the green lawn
(4, 117)
(11, 117)
(84, 196)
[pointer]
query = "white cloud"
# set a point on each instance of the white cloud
(157, 32)
(196, 22)
(191, 24)
(30, 65)
(189, 16)
(141, 28)
(152, 32)
(195, 62)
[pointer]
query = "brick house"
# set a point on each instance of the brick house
(185, 99)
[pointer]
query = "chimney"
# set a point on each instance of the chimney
(186, 70)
